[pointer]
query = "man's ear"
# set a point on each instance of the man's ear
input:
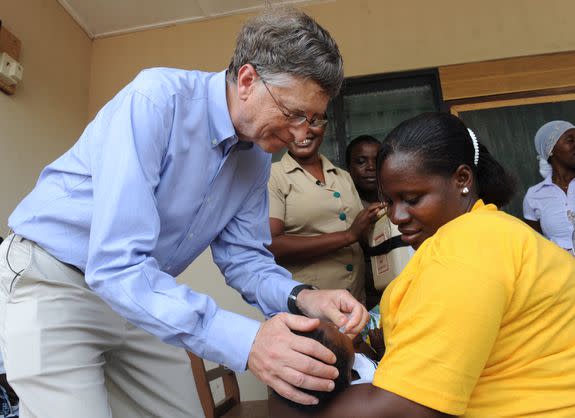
(463, 177)
(247, 77)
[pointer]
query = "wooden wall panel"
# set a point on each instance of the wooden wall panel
(512, 75)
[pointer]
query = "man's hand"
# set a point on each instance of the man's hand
(337, 306)
(286, 362)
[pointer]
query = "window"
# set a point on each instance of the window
(505, 101)
(507, 128)
(374, 105)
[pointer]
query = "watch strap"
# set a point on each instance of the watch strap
(292, 298)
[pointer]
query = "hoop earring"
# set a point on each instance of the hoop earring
(465, 191)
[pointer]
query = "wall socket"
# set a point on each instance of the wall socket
(11, 71)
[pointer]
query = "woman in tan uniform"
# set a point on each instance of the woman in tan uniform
(317, 218)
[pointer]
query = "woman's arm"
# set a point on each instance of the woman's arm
(366, 400)
(530, 214)
(295, 248)
(534, 224)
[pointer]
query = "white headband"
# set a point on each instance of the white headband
(475, 146)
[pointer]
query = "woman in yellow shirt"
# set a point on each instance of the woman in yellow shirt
(481, 323)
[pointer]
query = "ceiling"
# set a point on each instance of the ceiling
(101, 18)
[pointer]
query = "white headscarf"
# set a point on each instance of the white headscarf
(545, 140)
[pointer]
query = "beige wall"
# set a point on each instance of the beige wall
(48, 111)
(374, 36)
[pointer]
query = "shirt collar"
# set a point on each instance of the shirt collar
(546, 182)
(480, 205)
(289, 164)
(327, 165)
(221, 126)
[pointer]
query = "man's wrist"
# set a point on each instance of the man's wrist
(292, 298)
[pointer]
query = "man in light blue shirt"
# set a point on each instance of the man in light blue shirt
(175, 162)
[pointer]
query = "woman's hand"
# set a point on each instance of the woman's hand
(363, 221)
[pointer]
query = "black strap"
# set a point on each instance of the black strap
(386, 246)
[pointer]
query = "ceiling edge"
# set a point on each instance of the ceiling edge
(149, 27)
(175, 22)
(76, 18)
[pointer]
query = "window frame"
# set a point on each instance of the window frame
(380, 82)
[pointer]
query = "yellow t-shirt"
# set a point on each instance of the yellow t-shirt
(481, 322)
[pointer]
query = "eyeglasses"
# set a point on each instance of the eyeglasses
(292, 118)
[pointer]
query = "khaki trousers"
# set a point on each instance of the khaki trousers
(68, 355)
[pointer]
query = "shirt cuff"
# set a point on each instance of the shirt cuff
(229, 340)
(229, 330)
(284, 288)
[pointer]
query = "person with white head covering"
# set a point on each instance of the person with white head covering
(549, 206)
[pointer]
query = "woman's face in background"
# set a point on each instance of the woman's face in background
(564, 150)
(308, 146)
(362, 163)
(419, 203)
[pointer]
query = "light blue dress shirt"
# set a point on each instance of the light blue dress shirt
(157, 177)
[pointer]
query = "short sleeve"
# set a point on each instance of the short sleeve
(529, 211)
(277, 194)
(445, 322)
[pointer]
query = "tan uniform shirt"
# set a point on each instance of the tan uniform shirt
(307, 208)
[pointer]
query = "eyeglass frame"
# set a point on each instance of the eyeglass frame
(295, 119)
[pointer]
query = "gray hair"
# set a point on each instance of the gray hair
(284, 40)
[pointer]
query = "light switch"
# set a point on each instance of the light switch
(11, 71)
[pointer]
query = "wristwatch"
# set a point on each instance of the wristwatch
(291, 302)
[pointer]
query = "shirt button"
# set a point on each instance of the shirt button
(342, 216)
(214, 141)
(190, 235)
(349, 267)
(336, 194)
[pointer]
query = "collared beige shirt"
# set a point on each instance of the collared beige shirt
(309, 208)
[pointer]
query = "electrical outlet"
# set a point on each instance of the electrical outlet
(217, 388)
(11, 71)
